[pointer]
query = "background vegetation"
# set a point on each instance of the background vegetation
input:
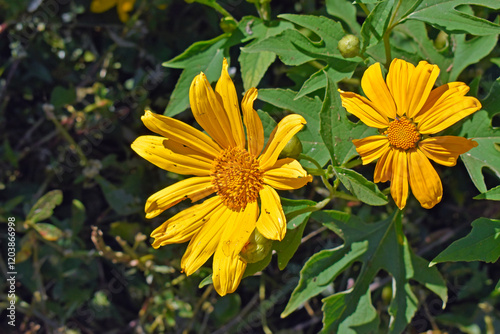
(73, 85)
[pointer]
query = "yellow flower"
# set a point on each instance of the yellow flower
(225, 163)
(406, 111)
(122, 6)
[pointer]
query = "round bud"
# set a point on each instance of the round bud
(387, 294)
(256, 248)
(228, 24)
(349, 46)
(292, 149)
(441, 41)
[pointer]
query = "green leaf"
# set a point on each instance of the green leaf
(294, 48)
(202, 56)
(376, 23)
(336, 71)
(268, 123)
(288, 45)
(286, 248)
(479, 127)
(296, 211)
(417, 31)
(118, 199)
(307, 107)
(336, 130)
(443, 15)
(378, 246)
(344, 10)
(44, 207)
(48, 231)
(364, 319)
(254, 66)
(320, 270)
(360, 187)
(482, 46)
(253, 268)
(481, 244)
(61, 96)
(206, 281)
(77, 216)
(492, 194)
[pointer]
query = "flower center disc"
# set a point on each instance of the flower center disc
(236, 178)
(403, 134)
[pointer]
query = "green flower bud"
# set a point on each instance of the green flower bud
(292, 149)
(228, 24)
(256, 248)
(349, 46)
(387, 294)
(441, 41)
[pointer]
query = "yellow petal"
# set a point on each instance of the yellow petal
(124, 7)
(99, 6)
(376, 90)
(449, 108)
(272, 221)
(278, 139)
(238, 229)
(227, 272)
(184, 225)
(171, 156)
(226, 93)
(445, 149)
(194, 188)
(363, 109)
(399, 180)
(420, 86)
(398, 78)
(209, 113)
(424, 181)
(205, 242)
(383, 169)
(439, 94)
(371, 148)
(255, 131)
(286, 174)
(181, 133)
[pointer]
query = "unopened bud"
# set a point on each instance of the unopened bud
(292, 149)
(228, 24)
(441, 41)
(256, 248)
(349, 46)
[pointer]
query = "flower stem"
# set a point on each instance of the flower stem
(363, 7)
(264, 9)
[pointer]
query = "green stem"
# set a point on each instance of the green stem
(387, 47)
(363, 7)
(317, 207)
(308, 158)
(323, 174)
(387, 34)
(62, 130)
(353, 163)
(264, 9)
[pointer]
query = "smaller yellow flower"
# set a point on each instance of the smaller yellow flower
(406, 110)
(124, 7)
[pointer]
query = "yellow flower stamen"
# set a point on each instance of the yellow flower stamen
(403, 134)
(236, 178)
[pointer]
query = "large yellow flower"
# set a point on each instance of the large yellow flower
(406, 111)
(122, 6)
(226, 164)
